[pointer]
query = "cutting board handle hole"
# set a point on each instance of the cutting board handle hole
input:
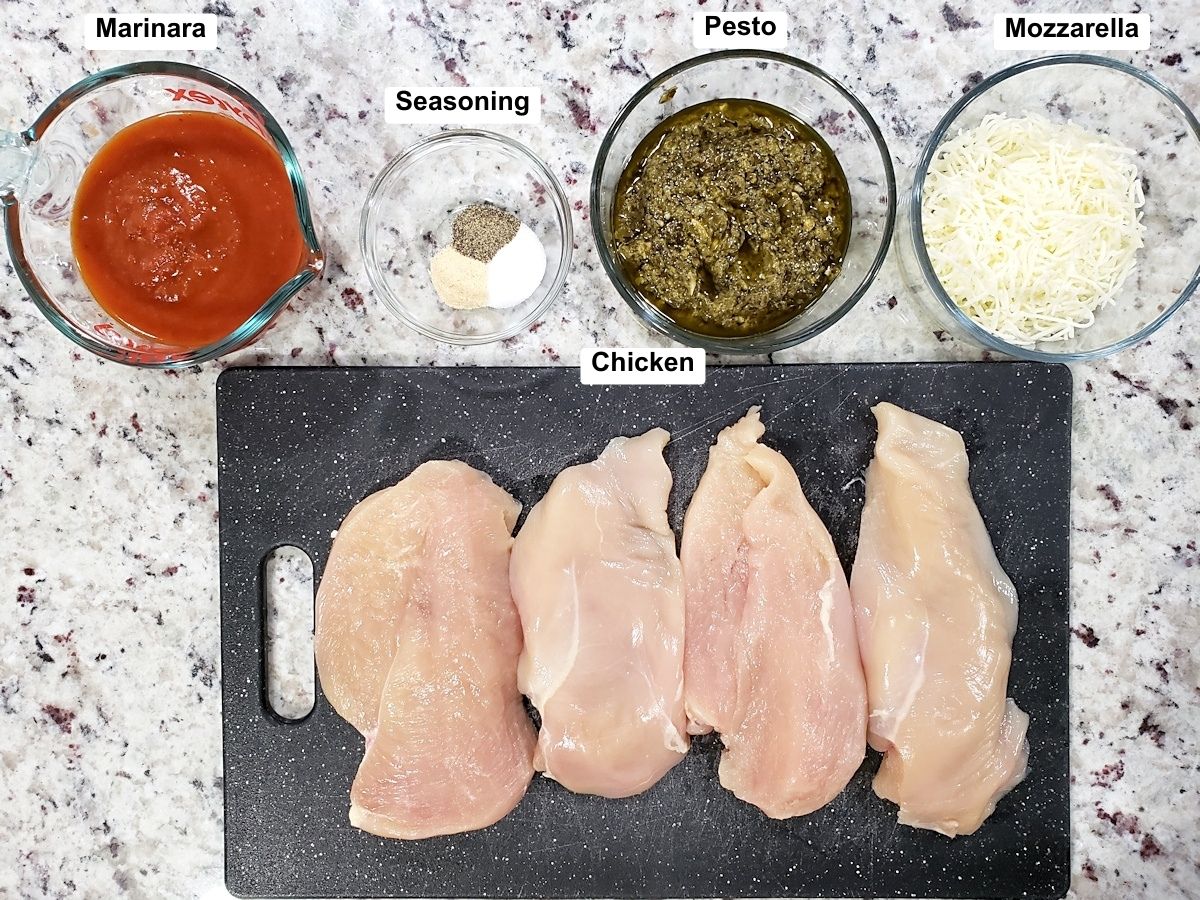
(288, 608)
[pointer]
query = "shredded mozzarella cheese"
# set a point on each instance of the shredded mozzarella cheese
(1031, 226)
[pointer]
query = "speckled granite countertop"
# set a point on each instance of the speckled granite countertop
(110, 767)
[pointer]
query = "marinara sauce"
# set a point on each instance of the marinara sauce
(184, 224)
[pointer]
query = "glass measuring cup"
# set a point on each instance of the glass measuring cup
(40, 170)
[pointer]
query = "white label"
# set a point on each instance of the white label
(463, 106)
(1072, 32)
(133, 32)
(641, 365)
(740, 31)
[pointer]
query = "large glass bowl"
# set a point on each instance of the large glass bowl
(818, 100)
(1133, 108)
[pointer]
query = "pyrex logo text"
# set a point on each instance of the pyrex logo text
(195, 96)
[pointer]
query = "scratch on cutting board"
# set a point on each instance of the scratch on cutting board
(778, 381)
(775, 414)
(848, 395)
(750, 389)
(704, 423)
(496, 448)
(871, 858)
(555, 848)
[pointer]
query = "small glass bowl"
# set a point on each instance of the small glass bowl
(818, 100)
(411, 208)
(1133, 108)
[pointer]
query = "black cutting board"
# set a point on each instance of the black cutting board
(299, 447)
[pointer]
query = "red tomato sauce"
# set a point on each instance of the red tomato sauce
(184, 224)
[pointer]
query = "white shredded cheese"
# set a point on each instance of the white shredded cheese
(1031, 226)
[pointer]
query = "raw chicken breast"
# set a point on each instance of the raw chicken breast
(771, 654)
(600, 593)
(936, 616)
(417, 641)
(713, 554)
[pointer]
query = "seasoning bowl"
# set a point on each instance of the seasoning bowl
(819, 101)
(408, 218)
(1133, 108)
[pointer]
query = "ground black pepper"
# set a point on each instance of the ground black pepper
(481, 229)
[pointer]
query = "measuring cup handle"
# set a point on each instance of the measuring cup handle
(16, 162)
(41, 175)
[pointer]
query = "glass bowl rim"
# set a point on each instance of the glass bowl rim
(422, 149)
(658, 321)
(248, 330)
(936, 138)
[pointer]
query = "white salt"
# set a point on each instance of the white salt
(516, 270)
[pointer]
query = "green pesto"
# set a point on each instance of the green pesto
(731, 217)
